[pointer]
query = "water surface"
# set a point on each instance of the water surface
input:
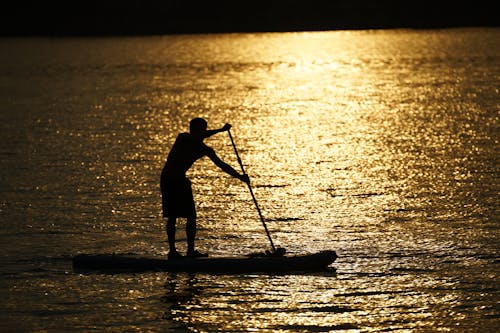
(380, 145)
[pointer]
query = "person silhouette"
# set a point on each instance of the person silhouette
(177, 194)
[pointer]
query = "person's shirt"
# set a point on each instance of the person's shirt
(186, 150)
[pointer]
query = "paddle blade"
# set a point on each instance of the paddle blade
(280, 251)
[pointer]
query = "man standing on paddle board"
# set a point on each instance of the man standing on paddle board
(177, 195)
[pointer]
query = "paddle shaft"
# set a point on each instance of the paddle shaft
(251, 192)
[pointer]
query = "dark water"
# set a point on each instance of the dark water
(380, 145)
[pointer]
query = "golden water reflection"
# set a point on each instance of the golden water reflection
(351, 146)
(309, 303)
(381, 145)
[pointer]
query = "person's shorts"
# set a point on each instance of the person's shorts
(177, 197)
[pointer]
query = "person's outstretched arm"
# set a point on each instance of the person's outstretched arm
(209, 133)
(227, 168)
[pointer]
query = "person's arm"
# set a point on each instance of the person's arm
(209, 133)
(227, 168)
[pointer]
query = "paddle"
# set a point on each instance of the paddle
(276, 251)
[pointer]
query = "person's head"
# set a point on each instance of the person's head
(198, 126)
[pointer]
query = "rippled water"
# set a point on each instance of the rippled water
(380, 145)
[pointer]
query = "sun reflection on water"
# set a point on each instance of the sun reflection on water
(381, 145)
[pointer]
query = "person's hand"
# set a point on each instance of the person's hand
(245, 178)
(226, 127)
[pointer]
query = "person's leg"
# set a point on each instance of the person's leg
(191, 236)
(191, 233)
(171, 221)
